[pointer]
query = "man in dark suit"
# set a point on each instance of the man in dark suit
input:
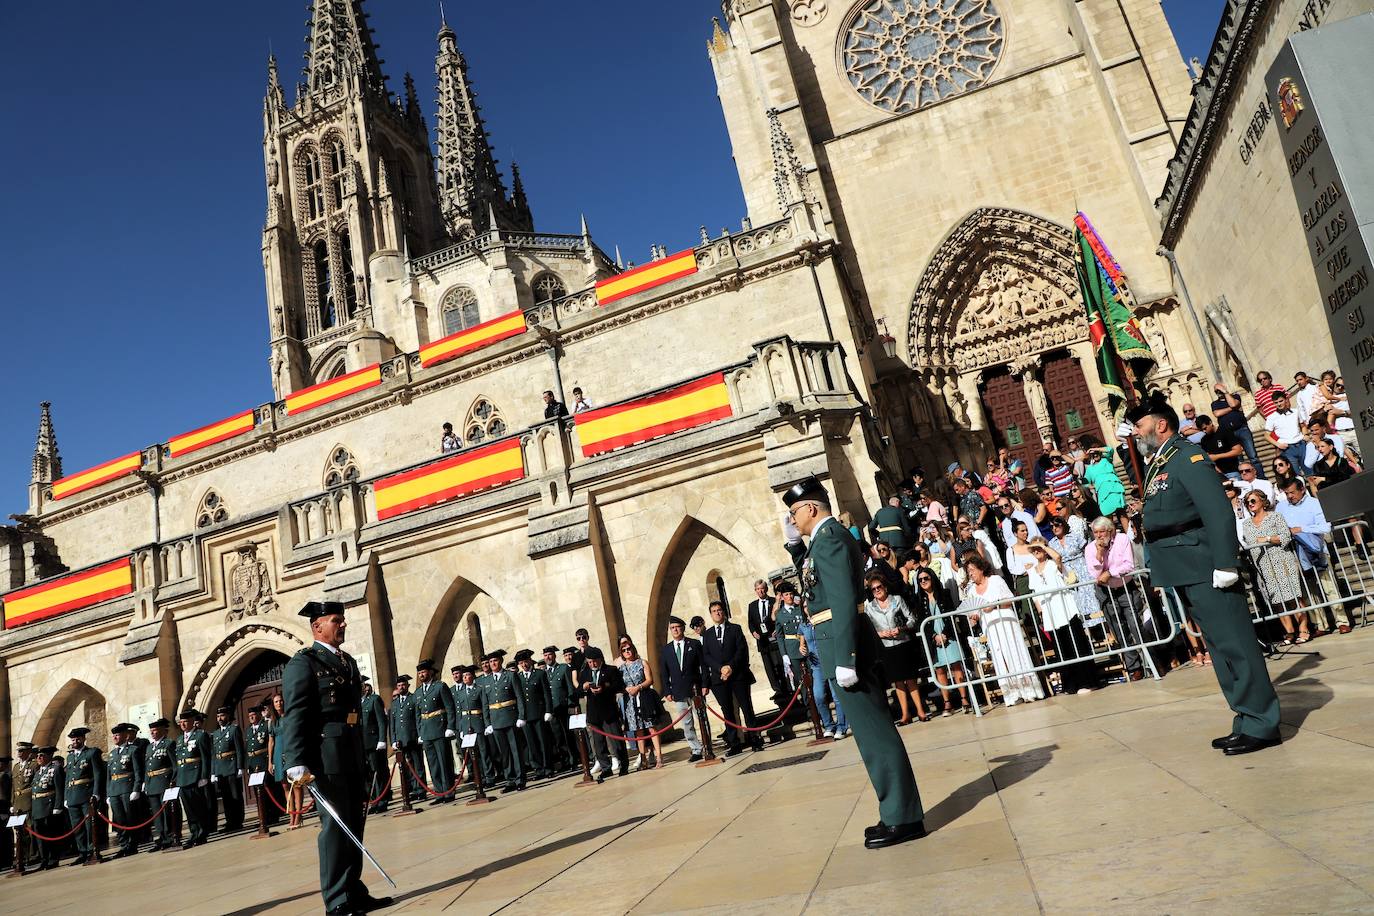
(684, 678)
(600, 685)
(763, 627)
(727, 661)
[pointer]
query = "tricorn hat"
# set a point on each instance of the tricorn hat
(24, 745)
(1155, 404)
(314, 610)
(160, 723)
(403, 679)
(553, 649)
(499, 655)
(426, 664)
(524, 654)
(191, 713)
(786, 588)
(808, 489)
(80, 731)
(225, 711)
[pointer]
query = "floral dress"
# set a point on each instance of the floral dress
(633, 673)
(1277, 563)
(1070, 549)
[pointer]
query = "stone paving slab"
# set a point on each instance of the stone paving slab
(1109, 801)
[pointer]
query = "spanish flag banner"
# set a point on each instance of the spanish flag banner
(332, 390)
(440, 481)
(75, 483)
(655, 273)
(209, 435)
(702, 401)
(69, 593)
(474, 338)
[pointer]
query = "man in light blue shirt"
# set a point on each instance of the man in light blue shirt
(1309, 526)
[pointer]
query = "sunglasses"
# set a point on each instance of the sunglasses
(1247, 470)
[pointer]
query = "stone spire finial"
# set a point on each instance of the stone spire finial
(789, 176)
(47, 462)
(340, 47)
(413, 113)
(720, 41)
(518, 200)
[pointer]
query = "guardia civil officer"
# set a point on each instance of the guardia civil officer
(6, 803)
(124, 783)
(193, 777)
(257, 746)
(564, 696)
(503, 711)
(849, 649)
(85, 787)
(405, 738)
(437, 718)
(322, 690)
(1191, 546)
(467, 697)
(533, 684)
(21, 799)
(374, 746)
(159, 775)
(226, 771)
(46, 806)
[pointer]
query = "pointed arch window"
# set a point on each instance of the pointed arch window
(547, 287)
(347, 281)
(459, 308)
(313, 186)
(341, 468)
(211, 510)
(338, 163)
(484, 422)
(324, 286)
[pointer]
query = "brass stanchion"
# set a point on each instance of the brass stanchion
(91, 839)
(586, 779)
(407, 808)
(19, 848)
(262, 833)
(704, 727)
(474, 765)
(808, 686)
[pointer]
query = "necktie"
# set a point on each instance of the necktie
(679, 654)
(720, 633)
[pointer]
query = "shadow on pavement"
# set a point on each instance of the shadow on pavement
(1299, 695)
(1011, 769)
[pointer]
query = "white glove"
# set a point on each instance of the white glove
(489, 730)
(1224, 578)
(846, 677)
(448, 733)
(548, 717)
(519, 723)
(135, 796)
(1125, 430)
(202, 784)
(381, 745)
(397, 746)
(239, 774)
(295, 773)
(214, 779)
(14, 811)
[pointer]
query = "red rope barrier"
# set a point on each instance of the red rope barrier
(424, 785)
(309, 802)
(102, 816)
(653, 734)
(387, 787)
(760, 728)
(57, 839)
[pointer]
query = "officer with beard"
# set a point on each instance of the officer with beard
(1191, 546)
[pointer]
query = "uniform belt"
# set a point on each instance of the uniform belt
(1167, 531)
(889, 527)
(190, 760)
(820, 617)
(120, 775)
(502, 705)
(159, 772)
(798, 636)
(475, 711)
(79, 782)
(43, 795)
(226, 754)
(431, 714)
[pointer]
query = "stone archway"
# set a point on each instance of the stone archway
(220, 670)
(75, 703)
(467, 623)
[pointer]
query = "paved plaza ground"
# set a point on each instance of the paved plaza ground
(1107, 802)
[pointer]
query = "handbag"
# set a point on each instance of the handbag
(649, 704)
(1070, 577)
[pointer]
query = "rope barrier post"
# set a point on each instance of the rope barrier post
(20, 847)
(262, 833)
(709, 757)
(474, 764)
(808, 687)
(407, 808)
(91, 837)
(586, 779)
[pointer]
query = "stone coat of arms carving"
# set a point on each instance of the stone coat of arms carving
(250, 585)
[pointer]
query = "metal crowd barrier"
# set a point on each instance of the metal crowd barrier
(1017, 654)
(1330, 584)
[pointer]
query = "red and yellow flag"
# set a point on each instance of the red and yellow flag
(605, 428)
(332, 390)
(474, 338)
(443, 480)
(209, 435)
(655, 273)
(69, 593)
(75, 483)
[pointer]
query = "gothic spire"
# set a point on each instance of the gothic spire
(413, 113)
(47, 463)
(789, 176)
(340, 49)
(518, 200)
(470, 185)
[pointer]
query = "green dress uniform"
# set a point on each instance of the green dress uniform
(257, 739)
(21, 799)
(437, 719)
(159, 775)
(537, 699)
(891, 527)
(46, 812)
(790, 619)
(84, 787)
(562, 695)
(491, 757)
(230, 760)
(192, 755)
(405, 739)
(1190, 532)
(502, 706)
(831, 574)
(467, 699)
(323, 731)
(374, 748)
(125, 777)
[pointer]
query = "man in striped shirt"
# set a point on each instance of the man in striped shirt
(1264, 393)
(1059, 476)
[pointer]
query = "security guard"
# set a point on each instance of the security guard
(538, 700)
(374, 747)
(561, 691)
(1191, 546)
(405, 738)
(124, 784)
(323, 734)
(159, 760)
(503, 711)
(192, 756)
(46, 809)
(21, 799)
(84, 788)
(850, 650)
(226, 771)
(437, 718)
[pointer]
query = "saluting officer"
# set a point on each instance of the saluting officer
(538, 701)
(437, 718)
(46, 814)
(159, 763)
(503, 711)
(562, 693)
(374, 748)
(405, 738)
(226, 772)
(850, 650)
(193, 777)
(1190, 533)
(125, 785)
(85, 787)
(323, 692)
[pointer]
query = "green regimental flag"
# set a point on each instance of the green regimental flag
(1115, 333)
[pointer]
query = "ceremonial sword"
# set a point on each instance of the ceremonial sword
(309, 782)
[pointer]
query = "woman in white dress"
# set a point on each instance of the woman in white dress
(991, 603)
(1059, 618)
(1019, 557)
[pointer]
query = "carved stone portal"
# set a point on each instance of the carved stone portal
(250, 585)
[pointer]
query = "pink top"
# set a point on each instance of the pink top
(1120, 559)
(935, 512)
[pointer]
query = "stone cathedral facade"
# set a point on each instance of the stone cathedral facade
(900, 291)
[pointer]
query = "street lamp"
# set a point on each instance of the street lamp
(888, 341)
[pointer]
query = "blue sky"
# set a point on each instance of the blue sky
(133, 295)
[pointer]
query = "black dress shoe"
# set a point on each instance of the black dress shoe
(600, 777)
(79, 860)
(1244, 744)
(694, 758)
(891, 836)
(1220, 743)
(369, 903)
(876, 830)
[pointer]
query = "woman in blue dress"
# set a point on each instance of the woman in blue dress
(933, 599)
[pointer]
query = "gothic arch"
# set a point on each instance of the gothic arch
(547, 286)
(75, 695)
(222, 666)
(458, 309)
(484, 422)
(466, 618)
(1000, 285)
(340, 467)
(211, 510)
(330, 364)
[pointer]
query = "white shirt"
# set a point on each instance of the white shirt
(333, 649)
(1031, 527)
(1263, 486)
(1344, 424)
(1285, 427)
(581, 405)
(1310, 455)
(1303, 401)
